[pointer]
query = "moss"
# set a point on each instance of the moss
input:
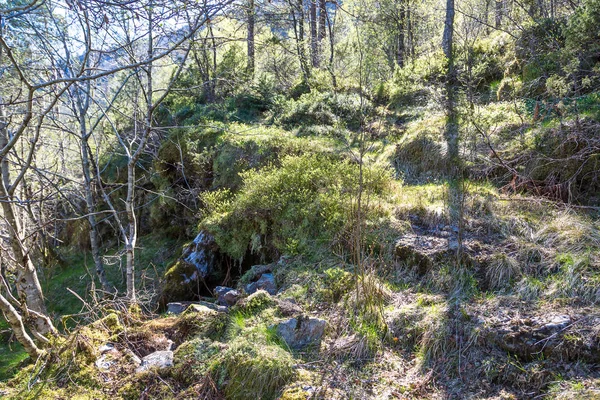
(12, 355)
(146, 385)
(209, 324)
(194, 359)
(67, 369)
(296, 393)
(256, 370)
(174, 288)
(255, 303)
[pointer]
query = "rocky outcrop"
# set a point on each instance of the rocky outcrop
(560, 337)
(198, 260)
(425, 249)
(422, 251)
(301, 332)
(200, 254)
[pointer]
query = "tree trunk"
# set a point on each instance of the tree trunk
(90, 201)
(400, 48)
(27, 284)
(298, 22)
(451, 130)
(499, 11)
(314, 44)
(322, 31)
(250, 38)
(331, 49)
(409, 31)
(91, 208)
(16, 323)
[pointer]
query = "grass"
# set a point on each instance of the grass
(11, 356)
(153, 256)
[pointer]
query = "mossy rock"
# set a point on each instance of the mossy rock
(257, 371)
(255, 303)
(203, 324)
(194, 359)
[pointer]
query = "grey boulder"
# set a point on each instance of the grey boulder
(227, 296)
(301, 332)
(266, 282)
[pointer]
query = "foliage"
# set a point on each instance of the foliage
(297, 207)
(325, 108)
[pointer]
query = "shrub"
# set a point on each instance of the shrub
(326, 108)
(303, 203)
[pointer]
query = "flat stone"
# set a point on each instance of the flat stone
(176, 308)
(158, 359)
(199, 308)
(212, 306)
(301, 332)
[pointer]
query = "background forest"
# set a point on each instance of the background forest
(300, 199)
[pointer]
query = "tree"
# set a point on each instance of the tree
(146, 99)
(451, 131)
(314, 41)
(250, 37)
(322, 30)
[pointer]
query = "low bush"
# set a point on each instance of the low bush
(329, 109)
(293, 208)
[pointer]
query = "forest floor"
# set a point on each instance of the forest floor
(515, 317)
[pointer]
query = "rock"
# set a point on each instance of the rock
(200, 254)
(266, 283)
(558, 322)
(559, 337)
(301, 332)
(421, 251)
(176, 308)
(197, 262)
(104, 363)
(212, 306)
(201, 308)
(256, 271)
(198, 306)
(227, 296)
(426, 250)
(105, 348)
(158, 359)
(287, 308)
